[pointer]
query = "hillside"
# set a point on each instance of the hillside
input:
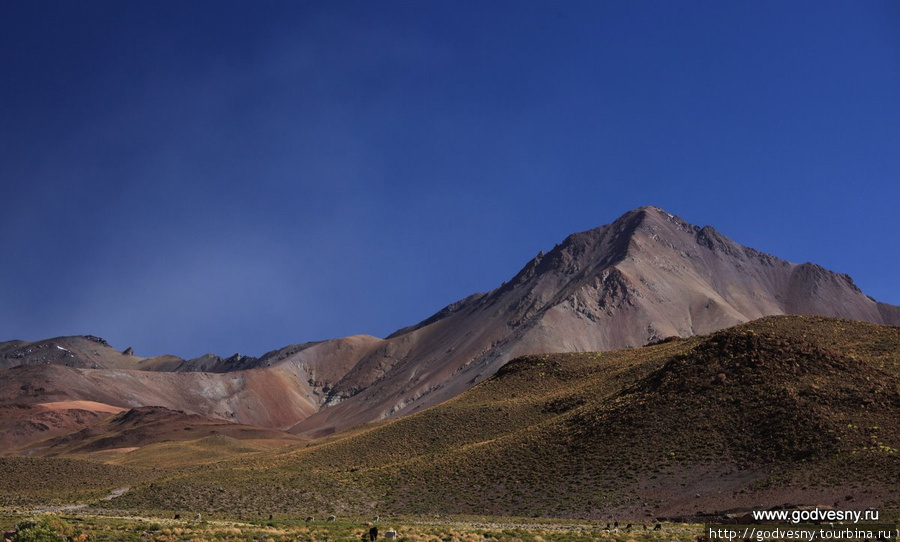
(85, 351)
(140, 427)
(801, 410)
(648, 275)
(290, 384)
(271, 398)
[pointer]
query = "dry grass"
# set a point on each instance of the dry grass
(155, 529)
(759, 412)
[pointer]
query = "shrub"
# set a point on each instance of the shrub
(38, 530)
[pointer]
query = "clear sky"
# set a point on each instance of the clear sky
(185, 177)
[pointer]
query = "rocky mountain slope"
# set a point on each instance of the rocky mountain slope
(647, 276)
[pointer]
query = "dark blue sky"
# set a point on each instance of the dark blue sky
(221, 176)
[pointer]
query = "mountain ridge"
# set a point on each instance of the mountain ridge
(644, 277)
(699, 279)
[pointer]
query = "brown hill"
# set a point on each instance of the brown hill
(22, 425)
(86, 351)
(139, 427)
(800, 410)
(294, 385)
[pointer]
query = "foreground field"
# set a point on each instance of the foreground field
(100, 528)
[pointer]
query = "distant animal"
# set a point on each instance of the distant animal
(373, 533)
(177, 516)
(616, 524)
(309, 518)
(657, 527)
(390, 535)
(375, 519)
(198, 517)
(270, 517)
(331, 518)
(628, 527)
(608, 527)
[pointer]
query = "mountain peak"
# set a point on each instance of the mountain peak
(652, 212)
(645, 276)
(607, 243)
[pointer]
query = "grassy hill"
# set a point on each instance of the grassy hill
(800, 410)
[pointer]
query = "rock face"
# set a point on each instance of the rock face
(645, 277)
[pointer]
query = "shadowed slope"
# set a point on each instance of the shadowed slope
(86, 351)
(138, 427)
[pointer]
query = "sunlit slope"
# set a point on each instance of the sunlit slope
(648, 275)
(784, 409)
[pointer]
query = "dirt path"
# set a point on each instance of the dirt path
(118, 492)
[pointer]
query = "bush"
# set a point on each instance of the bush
(41, 530)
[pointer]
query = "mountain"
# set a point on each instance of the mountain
(786, 409)
(647, 276)
(86, 352)
(98, 379)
